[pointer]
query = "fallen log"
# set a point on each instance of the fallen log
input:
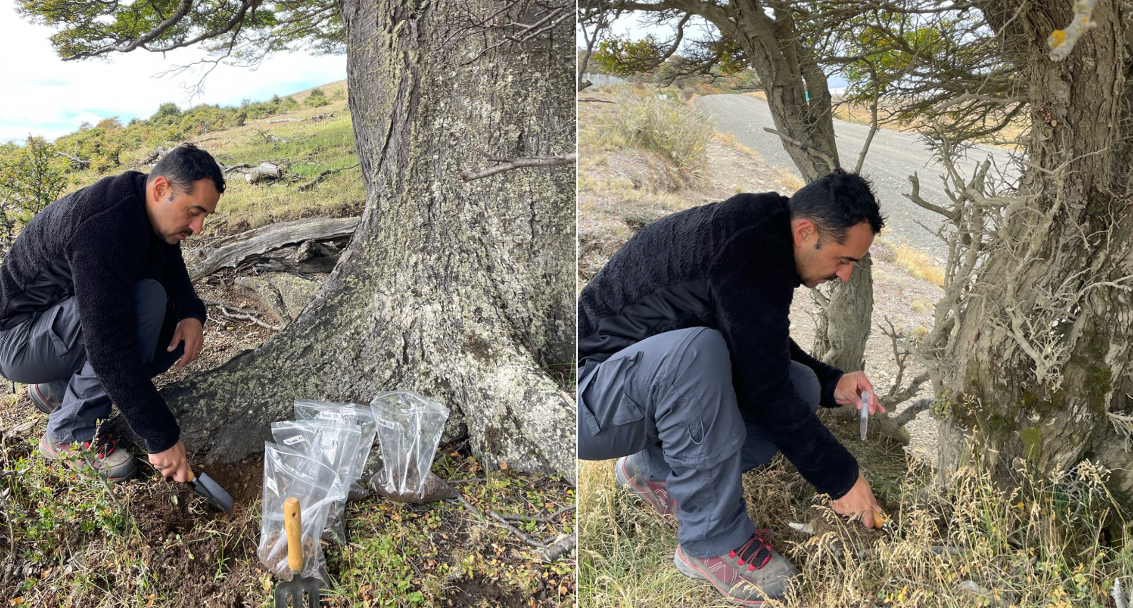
(207, 260)
(263, 172)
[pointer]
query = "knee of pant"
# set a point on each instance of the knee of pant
(806, 384)
(149, 294)
(705, 356)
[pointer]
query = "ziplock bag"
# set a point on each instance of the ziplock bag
(288, 473)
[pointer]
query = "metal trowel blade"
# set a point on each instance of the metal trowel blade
(212, 492)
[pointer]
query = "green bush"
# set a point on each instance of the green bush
(30, 178)
(316, 99)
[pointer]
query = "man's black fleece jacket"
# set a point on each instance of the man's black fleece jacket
(729, 266)
(96, 244)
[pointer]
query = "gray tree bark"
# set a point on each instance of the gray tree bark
(1040, 350)
(461, 291)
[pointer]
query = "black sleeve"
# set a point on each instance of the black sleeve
(105, 253)
(752, 282)
(828, 375)
(180, 287)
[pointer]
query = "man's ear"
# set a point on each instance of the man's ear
(160, 187)
(802, 230)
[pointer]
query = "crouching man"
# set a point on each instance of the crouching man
(688, 376)
(95, 301)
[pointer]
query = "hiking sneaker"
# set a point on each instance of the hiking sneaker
(108, 460)
(653, 492)
(43, 397)
(752, 573)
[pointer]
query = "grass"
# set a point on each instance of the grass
(968, 543)
(155, 543)
(918, 264)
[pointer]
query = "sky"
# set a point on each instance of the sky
(42, 95)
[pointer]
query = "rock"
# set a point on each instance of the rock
(284, 294)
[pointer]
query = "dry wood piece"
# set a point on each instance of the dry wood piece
(315, 117)
(265, 171)
(209, 259)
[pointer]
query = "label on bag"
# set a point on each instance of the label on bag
(293, 440)
(386, 424)
(335, 416)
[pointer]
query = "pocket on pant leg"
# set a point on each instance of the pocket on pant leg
(63, 328)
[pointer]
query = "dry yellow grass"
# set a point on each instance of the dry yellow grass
(919, 264)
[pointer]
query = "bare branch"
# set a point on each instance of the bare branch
(544, 161)
(805, 148)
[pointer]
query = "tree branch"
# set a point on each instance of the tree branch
(805, 148)
(544, 161)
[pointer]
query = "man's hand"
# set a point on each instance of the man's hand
(190, 330)
(172, 462)
(859, 501)
(849, 392)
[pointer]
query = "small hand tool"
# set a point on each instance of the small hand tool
(865, 413)
(298, 586)
(211, 491)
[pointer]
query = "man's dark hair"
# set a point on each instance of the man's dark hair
(184, 165)
(837, 201)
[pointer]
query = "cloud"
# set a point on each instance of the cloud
(47, 96)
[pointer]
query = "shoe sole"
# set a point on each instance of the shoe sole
(43, 451)
(645, 495)
(693, 572)
(39, 401)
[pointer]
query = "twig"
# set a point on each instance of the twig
(558, 549)
(545, 161)
(459, 481)
(805, 148)
(550, 519)
(516, 531)
(242, 315)
(311, 184)
(500, 522)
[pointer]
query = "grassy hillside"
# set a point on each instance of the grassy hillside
(67, 540)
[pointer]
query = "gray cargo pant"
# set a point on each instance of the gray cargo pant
(669, 401)
(50, 349)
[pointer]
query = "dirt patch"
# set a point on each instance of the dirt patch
(243, 480)
(475, 593)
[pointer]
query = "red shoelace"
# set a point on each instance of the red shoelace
(751, 551)
(104, 445)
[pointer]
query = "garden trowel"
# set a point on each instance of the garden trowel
(304, 590)
(211, 491)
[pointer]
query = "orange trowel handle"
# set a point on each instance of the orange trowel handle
(293, 525)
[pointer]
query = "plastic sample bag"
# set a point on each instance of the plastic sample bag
(409, 429)
(331, 443)
(290, 473)
(350, 413)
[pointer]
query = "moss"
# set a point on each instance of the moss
(1032, 443)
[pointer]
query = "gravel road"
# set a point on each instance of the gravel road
(893, 156)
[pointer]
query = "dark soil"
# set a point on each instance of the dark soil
(481, 592)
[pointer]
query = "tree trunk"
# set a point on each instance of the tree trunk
(1041, 352)
(799, 99)
(847, 317)
(463, 292)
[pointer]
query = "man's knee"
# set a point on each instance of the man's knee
(150, 296)
(698, 421)
(806, 384)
